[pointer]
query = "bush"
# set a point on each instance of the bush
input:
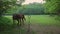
(5, 23)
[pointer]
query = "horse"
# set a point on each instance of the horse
(20, 18)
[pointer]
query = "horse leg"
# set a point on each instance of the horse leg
(18, 22)
(13, 22)
(22, 21)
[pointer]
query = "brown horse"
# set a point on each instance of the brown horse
(20, 18)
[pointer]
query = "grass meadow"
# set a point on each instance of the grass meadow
(45, 21)
(40, 19)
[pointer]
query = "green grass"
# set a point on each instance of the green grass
(41, 19)
(44, 19)
(35, 19)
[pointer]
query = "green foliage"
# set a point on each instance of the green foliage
(52, 6)
(34, 8)
(4, 5)
(5, 23)
(8, 4)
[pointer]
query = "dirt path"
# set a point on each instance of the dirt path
(41, 29)
(35, 29)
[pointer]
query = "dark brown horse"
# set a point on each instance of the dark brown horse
(19, 17)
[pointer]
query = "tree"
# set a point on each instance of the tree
(8, 4)
(52, 6)
(34, 8)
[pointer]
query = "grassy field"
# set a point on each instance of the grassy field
(45, 21)
(41, 19)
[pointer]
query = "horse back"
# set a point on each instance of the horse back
(18, 16)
